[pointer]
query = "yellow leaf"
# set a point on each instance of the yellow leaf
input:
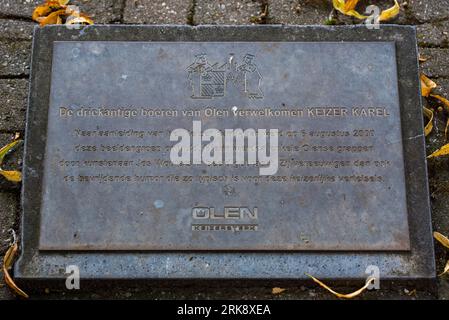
(7, 264)
(7, 148)
(429, 126)
(427, 85)
(347, 8)
(441, 239)
(350, 5)
(40, 11)
(445, 129)
(14, 176)
(390, 13)
(63, 2)
(44, 10)
(52, 18)
(277, 290)
(344, 296)
(446, 269)
(442, 99)
(444, 150)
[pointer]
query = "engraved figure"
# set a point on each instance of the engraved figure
(250, 77)
(209, 81)
(195, 74)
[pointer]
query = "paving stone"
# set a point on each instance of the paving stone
(16, 29)
(299, 12)
(157, 12)
(433, 34)
(437, 65)
(102, 11)
(227, 12)
(442, 89)
(13, 94)
(428, 10)
(18, 8)
(14, 57)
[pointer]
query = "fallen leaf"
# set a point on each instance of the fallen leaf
(82, 19)
(347, 8)
(59, 12)
(427, 85)
(429, 126)
(446, 269)
(41, 11)
(277, 290)
(344, 296)
(444, 150)
(441, 239)
(412, 293)
(4, 151)
(442, 99)
(422, 58)
(53, 18)
(446, 128)
(7, 264)
(14, 176)
(45, 9)
(390, 13)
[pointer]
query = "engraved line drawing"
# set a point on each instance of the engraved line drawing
(210, 81)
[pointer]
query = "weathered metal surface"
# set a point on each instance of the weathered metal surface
(306, 227)
(315, 201)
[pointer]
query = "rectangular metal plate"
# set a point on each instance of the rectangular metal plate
(327, 212)
(113, 105)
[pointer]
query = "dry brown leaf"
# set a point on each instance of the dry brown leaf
(446, 269)
(7, 264)
(427, 85)
(422, 58)
(277, 290)
(344, 296)
(429, 126)
(441, 239)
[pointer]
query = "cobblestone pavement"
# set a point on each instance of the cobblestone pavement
(431, 18)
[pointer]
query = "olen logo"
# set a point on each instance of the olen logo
(230, 213)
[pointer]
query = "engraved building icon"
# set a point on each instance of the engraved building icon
(209, 81)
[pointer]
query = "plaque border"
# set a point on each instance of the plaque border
(416, 264)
